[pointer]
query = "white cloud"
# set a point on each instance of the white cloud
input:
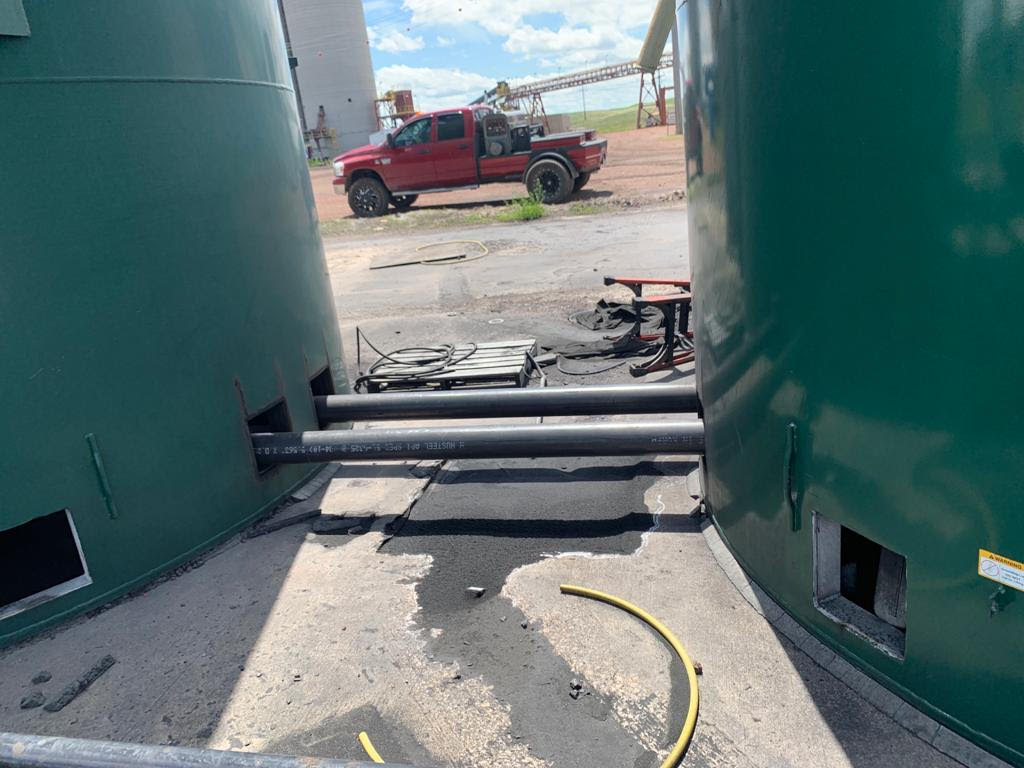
(553, 36)
(573, 46)
(393, 40)
(499, 17)
(603, 22)
(432, 87)
(438, 88)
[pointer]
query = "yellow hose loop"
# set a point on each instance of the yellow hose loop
(691, 674)
(372, 753)
(454, 260)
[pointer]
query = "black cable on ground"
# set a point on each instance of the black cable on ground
(558, 365)
(427, 360)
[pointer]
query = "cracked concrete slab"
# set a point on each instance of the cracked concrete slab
(482, 520)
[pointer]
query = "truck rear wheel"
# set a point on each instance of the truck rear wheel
(581, 182)
(550, 181)
(367, 197)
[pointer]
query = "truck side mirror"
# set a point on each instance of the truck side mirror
(391, 140)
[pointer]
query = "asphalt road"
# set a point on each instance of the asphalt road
(533, 277)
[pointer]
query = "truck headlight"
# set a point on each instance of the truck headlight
(339, 168)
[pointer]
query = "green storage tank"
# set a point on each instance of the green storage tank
(856, 216)
(162, 285)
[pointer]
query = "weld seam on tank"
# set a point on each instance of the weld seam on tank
(141, 81)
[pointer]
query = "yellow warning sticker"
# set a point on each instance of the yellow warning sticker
(1001, 569)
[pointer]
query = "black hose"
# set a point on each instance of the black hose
(432, 360)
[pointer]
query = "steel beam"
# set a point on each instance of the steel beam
(489, 442)
(21, 751)
(474, 404)
(576, 79)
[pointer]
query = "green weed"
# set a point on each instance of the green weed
(523, 209)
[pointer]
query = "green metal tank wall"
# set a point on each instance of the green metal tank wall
(856, 217)
(160, 266)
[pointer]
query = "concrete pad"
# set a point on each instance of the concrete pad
(372, 489)
(185, 645)
(763, 701)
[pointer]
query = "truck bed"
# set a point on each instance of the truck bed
(583, 148)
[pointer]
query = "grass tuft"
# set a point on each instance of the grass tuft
(524, 209)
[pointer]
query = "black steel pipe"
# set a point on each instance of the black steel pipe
(475, 404)
(488, 442)
(21, 751)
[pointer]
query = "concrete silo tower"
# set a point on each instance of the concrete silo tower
(329, 47)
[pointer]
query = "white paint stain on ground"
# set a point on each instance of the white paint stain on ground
(345, 620)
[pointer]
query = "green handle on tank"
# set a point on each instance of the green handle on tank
(788, 482)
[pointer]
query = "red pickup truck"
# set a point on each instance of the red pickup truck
(464, 148)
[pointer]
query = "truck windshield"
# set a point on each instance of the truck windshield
(414, 133)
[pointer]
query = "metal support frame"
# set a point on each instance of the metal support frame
(677, 333)
(572, 80)
(485, 442)
(537, 111)
(650, 94)
(482, 404)
(21, 751)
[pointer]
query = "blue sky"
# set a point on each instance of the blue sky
(449, 51)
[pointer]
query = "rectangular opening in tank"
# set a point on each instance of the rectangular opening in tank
(322, 385)
(40, 560)
(273, 418)
(861, 585)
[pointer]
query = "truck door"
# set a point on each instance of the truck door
(455, 153)
(412, 158)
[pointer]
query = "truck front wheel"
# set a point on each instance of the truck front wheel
(550, 181)
(367, 197)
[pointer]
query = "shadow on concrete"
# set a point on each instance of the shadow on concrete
(461, 473)
(181, 645)
(580, 529)
(481, 520)
(850, 717)
(375, 471)
(863, 729)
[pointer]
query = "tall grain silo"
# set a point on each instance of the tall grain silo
(163, 291)
(330, 48)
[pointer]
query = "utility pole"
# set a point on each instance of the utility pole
(583, 92)
(677, 80)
